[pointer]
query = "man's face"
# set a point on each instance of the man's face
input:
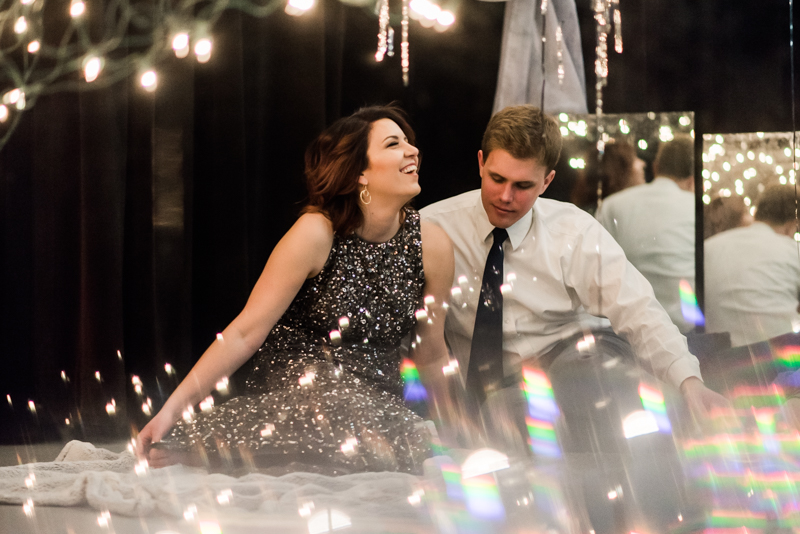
(510, 186)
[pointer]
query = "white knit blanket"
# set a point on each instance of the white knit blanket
(84, 475)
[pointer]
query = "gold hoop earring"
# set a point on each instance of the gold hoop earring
(364, 196)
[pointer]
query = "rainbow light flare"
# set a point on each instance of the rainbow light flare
(413, 390)
(452, 481)
(653, 402)
(483, 498)
(689, 308)
(788, 355)
(542, 413)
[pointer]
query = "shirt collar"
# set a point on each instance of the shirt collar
(516, 232)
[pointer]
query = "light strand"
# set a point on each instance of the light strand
(560, 54)
(404, 60)
(383, 29)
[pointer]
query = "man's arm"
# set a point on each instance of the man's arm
(609, 286)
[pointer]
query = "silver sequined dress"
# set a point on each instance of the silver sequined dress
(325, 387)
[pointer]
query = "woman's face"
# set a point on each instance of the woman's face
(393, 161)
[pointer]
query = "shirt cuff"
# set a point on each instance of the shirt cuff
(682, 369)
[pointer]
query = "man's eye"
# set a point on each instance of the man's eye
(524, 186)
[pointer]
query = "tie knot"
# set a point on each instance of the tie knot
(500, 235)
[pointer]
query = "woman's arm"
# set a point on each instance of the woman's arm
(299, 255)
(430, 354)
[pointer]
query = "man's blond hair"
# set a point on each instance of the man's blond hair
(525, 133)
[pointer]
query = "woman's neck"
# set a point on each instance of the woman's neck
(380, 223)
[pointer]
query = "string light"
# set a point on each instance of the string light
(149, 80)
(21, 26)
(560, 54)
(180, 44)
(77, 8)
(3, 113)
(158, 33)
(404, 59)
(444, 20)
(383, 33)
(298, 7)
(91, 68)
(202, 49)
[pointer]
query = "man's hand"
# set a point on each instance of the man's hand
(709, 408)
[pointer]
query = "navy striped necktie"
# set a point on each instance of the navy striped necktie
(485, 371)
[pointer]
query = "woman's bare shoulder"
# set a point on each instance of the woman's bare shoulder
(314, 225)
(437, 249)
(434, 238)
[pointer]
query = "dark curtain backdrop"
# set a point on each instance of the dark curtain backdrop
(138, 222)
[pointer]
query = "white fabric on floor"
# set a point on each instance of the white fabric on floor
(84, 475)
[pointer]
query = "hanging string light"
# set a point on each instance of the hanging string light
(31, 65)
(390, 43)
(560, 54)
(543, 11)
(383, 29)
(617, 28)
(404, 61)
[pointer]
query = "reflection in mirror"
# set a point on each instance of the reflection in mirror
(654, 223)
(752, 276)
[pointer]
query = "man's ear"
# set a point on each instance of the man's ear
(480, 160)
(548, 179)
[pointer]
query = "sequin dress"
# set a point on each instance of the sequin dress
(325, 388)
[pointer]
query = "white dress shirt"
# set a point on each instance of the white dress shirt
(565, 275)
(654, 225)
(752, 281)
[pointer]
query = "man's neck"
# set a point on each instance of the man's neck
(687, 184)
(788, 228)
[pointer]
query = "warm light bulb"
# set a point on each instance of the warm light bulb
(33, 47)
(91, 68)
(76, 9)
(202, 50)
(149, 80)
(180, 44)
(3, 113)
(21, 26)
(26, 2)
(298, 7)
(12, 96)
(446, 19)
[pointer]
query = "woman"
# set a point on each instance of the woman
(619, 169)
(338, 294)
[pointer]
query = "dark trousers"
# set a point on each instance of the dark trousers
(595, 382)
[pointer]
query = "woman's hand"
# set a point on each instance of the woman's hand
(153, 432)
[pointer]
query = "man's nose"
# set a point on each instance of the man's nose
(507, 193)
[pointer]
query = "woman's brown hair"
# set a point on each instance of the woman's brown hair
(615, 171)
(335, 161)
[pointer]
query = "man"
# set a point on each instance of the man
(563, 275)
(654, 225)
(752, 273)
